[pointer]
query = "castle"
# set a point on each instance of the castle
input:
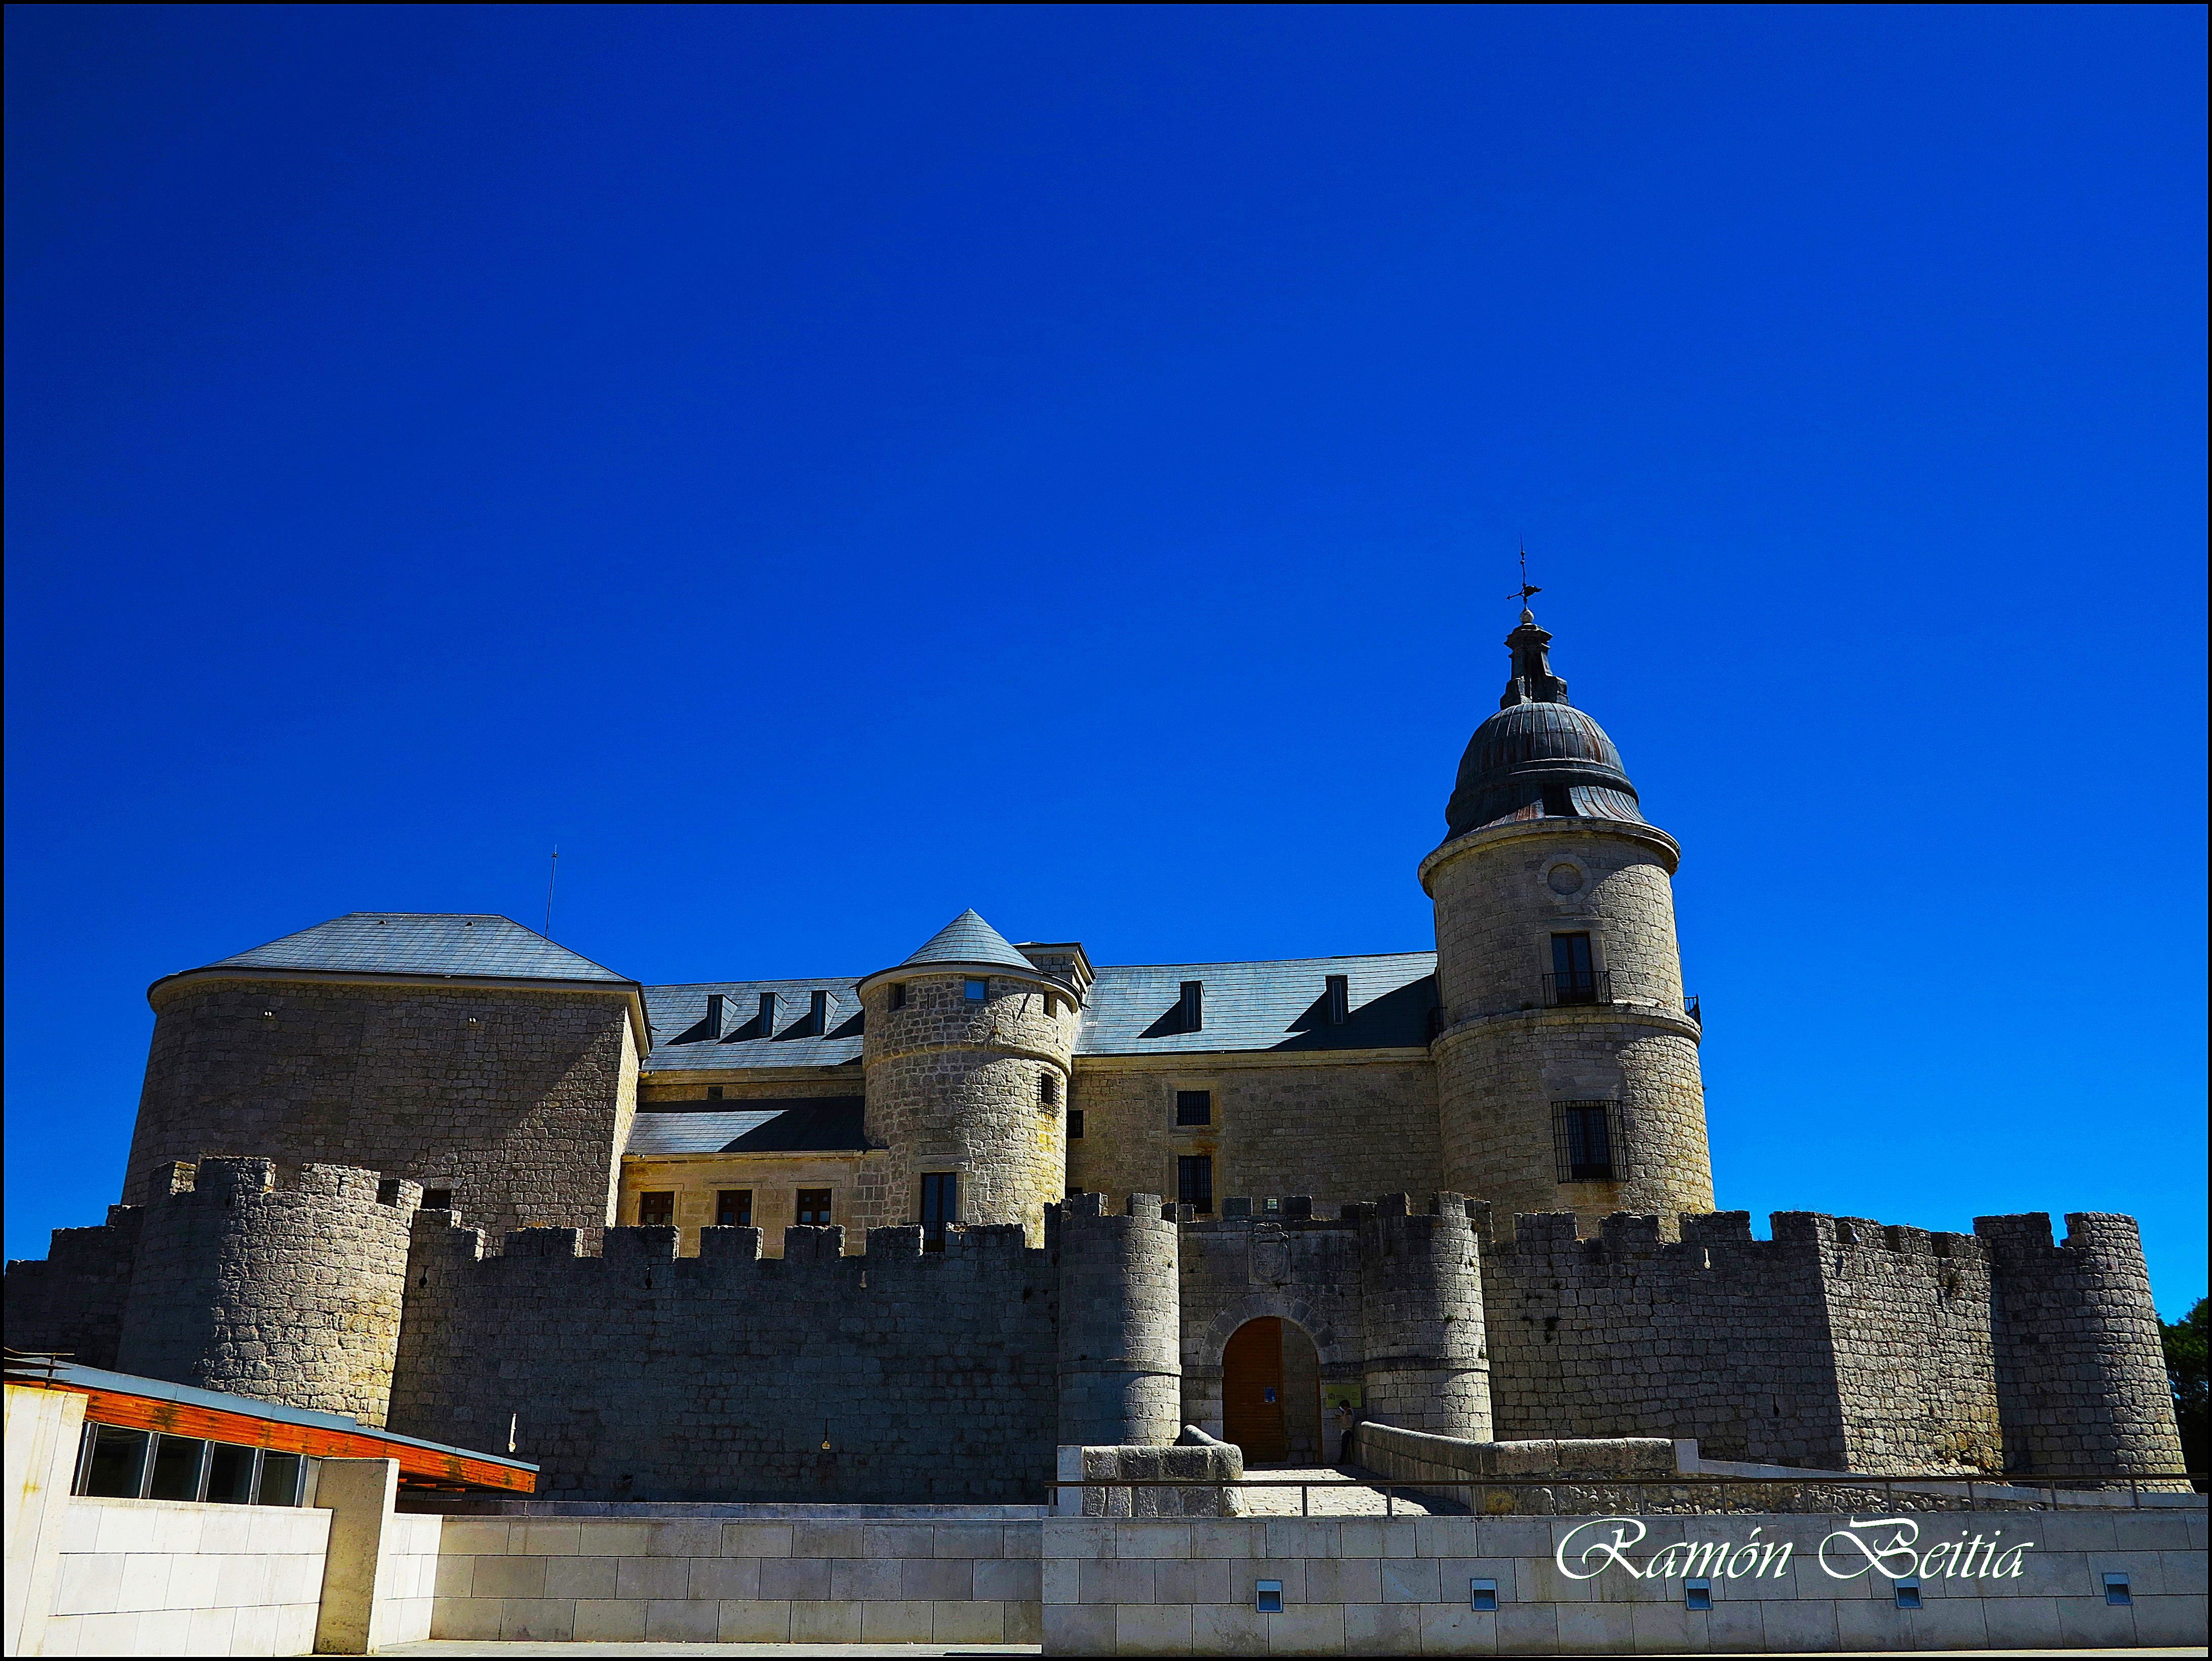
(897, 1236)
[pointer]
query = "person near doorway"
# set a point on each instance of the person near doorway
(1346, 1419)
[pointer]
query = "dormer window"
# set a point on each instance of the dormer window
(818, 1014)
(1338, 1001)
(1190, 1009)
(768, 1014)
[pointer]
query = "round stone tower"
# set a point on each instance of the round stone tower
(1121, 1323)
(1566, 1062)
(965, 1055)
(286, 1288)
(1425, 1365)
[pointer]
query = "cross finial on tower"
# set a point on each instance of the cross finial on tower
(1526, 589)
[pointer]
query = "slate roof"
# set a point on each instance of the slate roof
(968, 939)
(417, 943)
(816, 1124)
(1130, 1011)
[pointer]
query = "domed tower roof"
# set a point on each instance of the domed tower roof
(1539, 757)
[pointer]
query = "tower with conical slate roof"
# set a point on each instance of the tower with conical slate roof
(1566, 1063)
(966, 1052)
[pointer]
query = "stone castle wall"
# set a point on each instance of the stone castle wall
(956, 1084)
(2081, 1367)
(70, 1302)
(1298, 1269)
(284, 1288)
(519, 1101)
(639, 1374)
(1869, 1354)
(1304, 1122)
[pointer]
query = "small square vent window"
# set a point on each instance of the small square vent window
(1482, 1594)
(1697, 1594)
(1908, 1594)
(2117, 1590)
(1268, 1597)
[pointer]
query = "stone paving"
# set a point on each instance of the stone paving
(1335, 1493)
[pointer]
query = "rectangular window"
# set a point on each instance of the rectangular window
(1339, 999)
(1048, 1089)
(818, 1014)
(714, 1092)
(1581, 1141)
(940, 1204)
(734, 1208)
(437, 1199)
(1075, 1124)
(230, 1475)
(898, 994)
(814, 1207)
(712, 1023)
(178, 1461)
(1573, 980)
(1190, 1010)
(767, 1016)
(1194, 1182)
(656, 1210)
(387, 1191)
(117, 1466)
(281, 1475)
(1193, 1107)
(976, 990)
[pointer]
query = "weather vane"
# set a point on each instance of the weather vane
(1527, 587)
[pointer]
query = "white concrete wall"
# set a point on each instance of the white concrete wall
(800, 1581)
(158, 1577)
(406, 1580)
(44, 1428)
(1399, 1586)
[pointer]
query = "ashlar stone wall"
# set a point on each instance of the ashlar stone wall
(1835, 1346)
(71, 1301)
(518, 1101)
(640, 1375)
(1334, 1128)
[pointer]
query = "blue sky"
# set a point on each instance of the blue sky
(826, 469)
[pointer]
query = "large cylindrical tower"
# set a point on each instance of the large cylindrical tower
(965, 1055)
(1120, 1314)
(1425, 1363)
(1566, 1063)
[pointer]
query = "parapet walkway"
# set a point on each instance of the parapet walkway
(1335, 1491)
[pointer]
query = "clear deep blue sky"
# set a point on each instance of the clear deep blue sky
(826, 469)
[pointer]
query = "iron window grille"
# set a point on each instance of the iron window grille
(1048, 1089)
(1575, 978)
(1194, 1182)
(1193, 1107)
(1581, 1141)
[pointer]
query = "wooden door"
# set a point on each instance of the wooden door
(1252, 1392)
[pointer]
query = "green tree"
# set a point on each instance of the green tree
(2185, 1368)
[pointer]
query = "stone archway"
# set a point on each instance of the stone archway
(1271, 1393)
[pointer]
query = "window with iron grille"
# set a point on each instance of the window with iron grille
(1193, 1107)
(1573, 977)
(1194, 1181)
(940, 1204)
(734, 1208)
(814, 1206)
(1048, 1089)
(1581, 1141)
(656, 1209)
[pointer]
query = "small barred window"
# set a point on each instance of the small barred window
(1581, 1141)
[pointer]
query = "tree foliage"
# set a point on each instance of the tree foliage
(2185, 1368)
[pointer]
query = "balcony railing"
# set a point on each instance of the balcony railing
(1581, 986)
(1690, 1009)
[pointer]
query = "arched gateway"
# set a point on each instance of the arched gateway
(1271, 1393)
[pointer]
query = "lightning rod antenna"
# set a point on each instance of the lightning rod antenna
(550, 876)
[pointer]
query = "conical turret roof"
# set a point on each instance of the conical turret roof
(968, 939)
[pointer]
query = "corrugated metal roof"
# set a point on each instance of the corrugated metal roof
(417, 943)
(968, 939)
(1131, 1010)
(822, 1124)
